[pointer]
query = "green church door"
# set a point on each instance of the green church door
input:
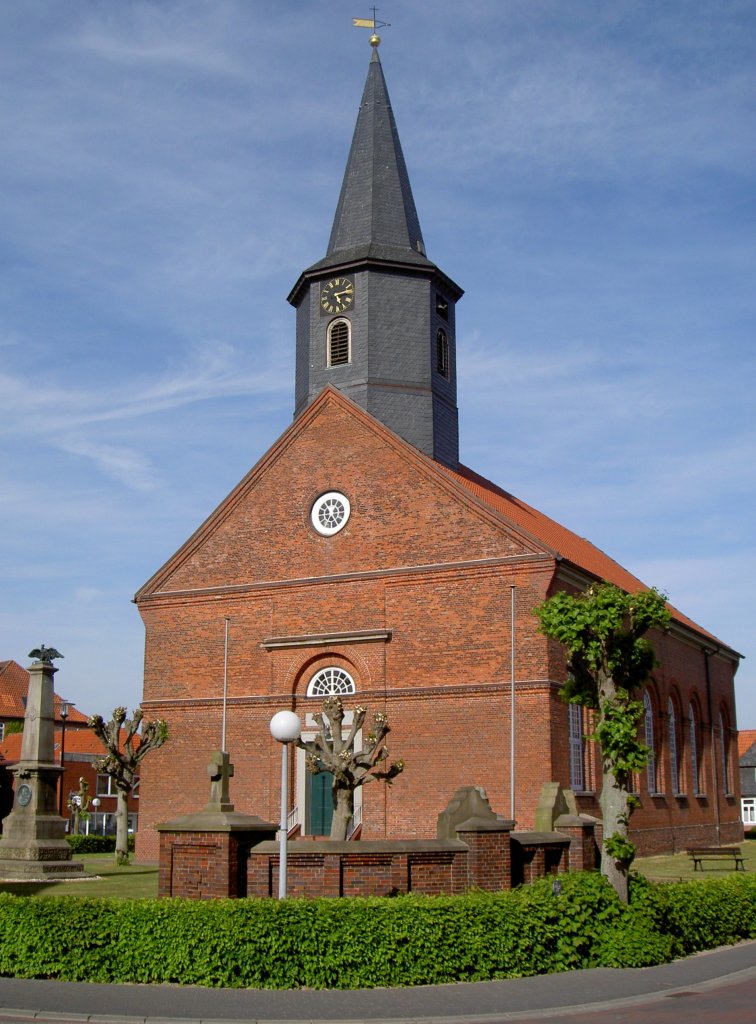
(320, 803)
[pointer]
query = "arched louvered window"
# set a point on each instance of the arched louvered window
(339, 342)
(674, 761)
(330, 682)
(648, 728)
(442, 352)
(695, 776)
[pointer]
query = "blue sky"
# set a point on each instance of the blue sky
(585, 170)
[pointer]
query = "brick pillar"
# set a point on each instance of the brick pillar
(205, 856)
(489, 861)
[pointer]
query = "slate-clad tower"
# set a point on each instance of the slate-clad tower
(375, 317)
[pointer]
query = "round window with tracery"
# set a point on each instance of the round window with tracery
(330, 513)
(330, 682)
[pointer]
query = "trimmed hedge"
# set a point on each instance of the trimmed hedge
(95, 844)
(363, 943)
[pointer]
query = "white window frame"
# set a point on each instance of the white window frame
(329, 347)
(748, 810)
(331, 681)
(110, 789)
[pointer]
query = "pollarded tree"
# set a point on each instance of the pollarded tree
(127, 742)
(609, 661)
(331, 752)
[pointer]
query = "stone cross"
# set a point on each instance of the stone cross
(220, 771)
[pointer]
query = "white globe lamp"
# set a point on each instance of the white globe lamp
(285, 727)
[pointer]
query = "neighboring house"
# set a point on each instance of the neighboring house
(359, 557)
(747, 752)
(14, 687)
(81, 751)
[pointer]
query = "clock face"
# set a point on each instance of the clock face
(336, 295)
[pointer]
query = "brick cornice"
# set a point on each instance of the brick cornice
(357, 636)
(375, 693)
(405, 572)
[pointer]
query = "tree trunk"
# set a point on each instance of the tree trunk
(614, 812)
(122, 828)
(343, 810)
(614, 803)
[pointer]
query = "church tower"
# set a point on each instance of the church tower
(375, 317)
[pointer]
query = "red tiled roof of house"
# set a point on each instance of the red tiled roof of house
(577, 550)
(746, 739)
(78, 741)
(14, 686)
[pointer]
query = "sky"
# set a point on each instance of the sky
(585, 170)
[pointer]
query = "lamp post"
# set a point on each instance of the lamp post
(65, 707)
(95, 803)
(285, 727)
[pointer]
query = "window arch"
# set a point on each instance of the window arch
(339, 342)
(695, 772)
(331, 682)
(674, 760)
(442, 352)
(648, 730)
(577, 763)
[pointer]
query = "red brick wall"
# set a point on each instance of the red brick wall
(416, 559)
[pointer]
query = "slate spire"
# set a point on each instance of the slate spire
(376, 209)
(375, 318)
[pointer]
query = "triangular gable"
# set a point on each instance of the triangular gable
(416, 513)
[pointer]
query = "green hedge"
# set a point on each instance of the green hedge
(95, 844)
(363, 943)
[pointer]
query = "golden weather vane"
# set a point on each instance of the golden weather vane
(373, 23)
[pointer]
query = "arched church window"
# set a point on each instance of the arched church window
(694, 770)
(674, 761)
(724, 733)
(648, 729)
(577, 765)
(330, 682)
(442, 352)
(339, 338)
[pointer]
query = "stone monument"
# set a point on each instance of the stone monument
(33, 843)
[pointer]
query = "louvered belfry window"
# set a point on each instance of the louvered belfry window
(442, 353)
(338, 343)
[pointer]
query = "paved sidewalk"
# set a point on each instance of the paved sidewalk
(555, 996)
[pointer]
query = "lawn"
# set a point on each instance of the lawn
(679, 867)
(131, 882)
(141, 880)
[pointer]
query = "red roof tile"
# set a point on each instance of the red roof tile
(78, 741)
(563, 542)
(746, 739)
(14, 686)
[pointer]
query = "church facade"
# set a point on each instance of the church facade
(359, 557)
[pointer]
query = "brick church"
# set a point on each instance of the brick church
(360, 557)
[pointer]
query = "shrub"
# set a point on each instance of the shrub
(95, 843)
(364, 943)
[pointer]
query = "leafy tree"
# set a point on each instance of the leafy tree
(351, 768)
(15, 725)
(127, 742)
(609, 661)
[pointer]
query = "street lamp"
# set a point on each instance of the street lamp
(96, 803)
(65, 707)
(285, 727)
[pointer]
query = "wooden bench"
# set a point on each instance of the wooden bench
(717, 853)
